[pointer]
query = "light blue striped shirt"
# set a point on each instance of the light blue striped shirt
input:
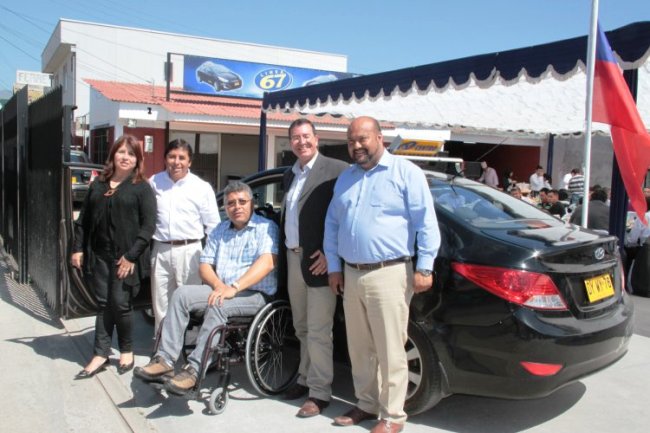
(232, 251)
(376, 215)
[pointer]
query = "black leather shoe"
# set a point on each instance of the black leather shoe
(295, 392)
(85, 374)
(121, 369)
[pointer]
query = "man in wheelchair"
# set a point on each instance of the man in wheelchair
(238, 273)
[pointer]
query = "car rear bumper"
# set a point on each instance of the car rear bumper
(79, 192)
(487, 360)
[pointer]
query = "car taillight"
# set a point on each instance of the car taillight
(525, 288)
(93, 175)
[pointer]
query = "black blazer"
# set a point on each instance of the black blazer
(312, 208)
(133, 216)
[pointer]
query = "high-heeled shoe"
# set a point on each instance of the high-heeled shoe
(121, 369)
(85, 374)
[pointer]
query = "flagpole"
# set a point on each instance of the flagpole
(591, 55)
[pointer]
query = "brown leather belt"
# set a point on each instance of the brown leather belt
(296, 250)
(181, 242)
(378, 265)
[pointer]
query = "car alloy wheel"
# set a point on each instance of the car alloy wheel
(424, 387)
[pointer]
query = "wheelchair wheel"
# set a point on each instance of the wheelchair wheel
(218, 400)
(272, 351)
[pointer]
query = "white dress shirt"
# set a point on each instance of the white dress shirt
(292, 238)
(187, 208)
(536, 182)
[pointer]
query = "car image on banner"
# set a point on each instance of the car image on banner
(218, 76)
(247, 79)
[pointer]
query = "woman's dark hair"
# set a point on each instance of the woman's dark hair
(179, 143)
(133, 144)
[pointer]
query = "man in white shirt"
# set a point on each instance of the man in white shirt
(537, 181)
(567, 178)
(489, 176)
(187, 211)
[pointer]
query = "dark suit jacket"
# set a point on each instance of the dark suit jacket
(598, 217)
(312, 208)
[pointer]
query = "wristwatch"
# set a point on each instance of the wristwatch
(236, 286)
(425, 272)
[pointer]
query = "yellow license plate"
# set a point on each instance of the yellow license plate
(74, 179)
(599, 287)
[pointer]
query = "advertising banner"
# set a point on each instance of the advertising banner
(225, 77)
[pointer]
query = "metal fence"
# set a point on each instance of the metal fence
(32, 140)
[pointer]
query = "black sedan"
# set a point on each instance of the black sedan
(523, 303)
(82, 173)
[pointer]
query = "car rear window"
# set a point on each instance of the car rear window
(78, 157)
(485, 207)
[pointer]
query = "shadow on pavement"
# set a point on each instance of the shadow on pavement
(25, 298)
(641, 314)
(460, 413)
(147, 396)
(56, 346)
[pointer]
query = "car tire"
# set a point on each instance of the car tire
(425, 386)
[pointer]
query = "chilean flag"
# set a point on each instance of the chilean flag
(613, 104)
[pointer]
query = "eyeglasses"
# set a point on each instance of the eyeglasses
(240, 202)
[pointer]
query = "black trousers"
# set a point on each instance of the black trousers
(115, 307)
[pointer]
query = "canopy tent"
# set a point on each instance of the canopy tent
(536, 90)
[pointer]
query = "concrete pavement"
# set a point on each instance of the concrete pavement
(41, 354)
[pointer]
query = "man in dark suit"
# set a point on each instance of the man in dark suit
(598, 218)
(309, 184)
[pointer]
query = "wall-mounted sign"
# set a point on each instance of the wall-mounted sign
(247, 79)
(416, 147)
(33, 78)
(148, 143)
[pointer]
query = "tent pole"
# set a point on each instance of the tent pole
(262, 141)
(591, 54)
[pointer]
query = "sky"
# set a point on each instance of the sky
(376, 35)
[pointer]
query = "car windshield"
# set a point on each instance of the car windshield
(485, 207)
(214, 68)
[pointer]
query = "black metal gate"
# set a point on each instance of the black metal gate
(32, 139)
(47, 129)
(36, 218)
(14, 141)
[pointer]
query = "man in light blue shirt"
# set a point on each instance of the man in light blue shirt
(381, 206)
(238, 272)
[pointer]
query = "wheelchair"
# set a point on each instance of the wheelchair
(265, 342)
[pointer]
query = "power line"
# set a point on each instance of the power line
(23, 37)
(24, 18)
(19, 49)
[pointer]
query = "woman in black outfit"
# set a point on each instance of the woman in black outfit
(508, 181)
(112, 235)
